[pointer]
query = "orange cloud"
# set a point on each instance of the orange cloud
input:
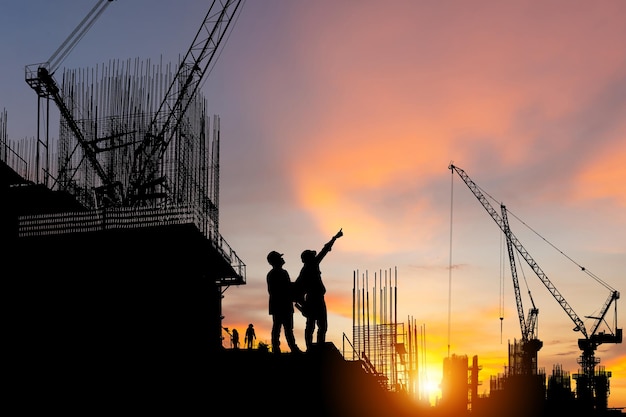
(603, 177)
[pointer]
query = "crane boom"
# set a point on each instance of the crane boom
(580, 325)
(64, 49)
(40, 78)
(599, 319)
(144, 173)
(52, 90)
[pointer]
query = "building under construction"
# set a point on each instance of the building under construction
(387, 349)
(390, 353)
(112, 232)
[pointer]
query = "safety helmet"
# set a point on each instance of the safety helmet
(274, 257)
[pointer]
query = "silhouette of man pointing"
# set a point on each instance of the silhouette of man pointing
(310, 292)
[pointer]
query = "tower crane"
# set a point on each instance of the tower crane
(40, 77)
(592, 339)
(145, 177)
(530, 344)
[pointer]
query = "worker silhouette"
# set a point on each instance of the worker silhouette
(280, 289)
(310, 290)
(249, 336)
(235, 339)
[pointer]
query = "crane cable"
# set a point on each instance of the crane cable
(582, 268)
(450, 257)
(501, 284)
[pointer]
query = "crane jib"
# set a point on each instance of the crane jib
(579, 324)
(180, 93)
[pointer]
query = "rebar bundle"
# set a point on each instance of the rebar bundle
(113, 105)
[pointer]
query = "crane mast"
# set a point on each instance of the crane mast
(145, 177)
(528, 326)
(530, 344)
(518, 297)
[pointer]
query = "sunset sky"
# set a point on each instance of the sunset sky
(347, 114)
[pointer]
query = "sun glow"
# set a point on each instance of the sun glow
(430, 390)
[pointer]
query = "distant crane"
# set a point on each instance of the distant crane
(530, 344)
(592, 339)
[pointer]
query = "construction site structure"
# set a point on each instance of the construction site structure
(386, 349)
(136, 147)
(135, 135)
(112, 232)
(139, 157)
(459, 384)
(510, 393)
(118, 97)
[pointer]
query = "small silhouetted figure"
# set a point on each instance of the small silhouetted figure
(280, 289)
(250, 336)
(310, 290)
(235, 339)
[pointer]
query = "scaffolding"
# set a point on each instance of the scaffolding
(384, 347)
(113, 105)
(16, 153)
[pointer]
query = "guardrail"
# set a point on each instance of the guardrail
(127, 218)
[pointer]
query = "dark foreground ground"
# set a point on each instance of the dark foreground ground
(316, 383)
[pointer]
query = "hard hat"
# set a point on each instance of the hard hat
(308, 255)
(273, 256)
